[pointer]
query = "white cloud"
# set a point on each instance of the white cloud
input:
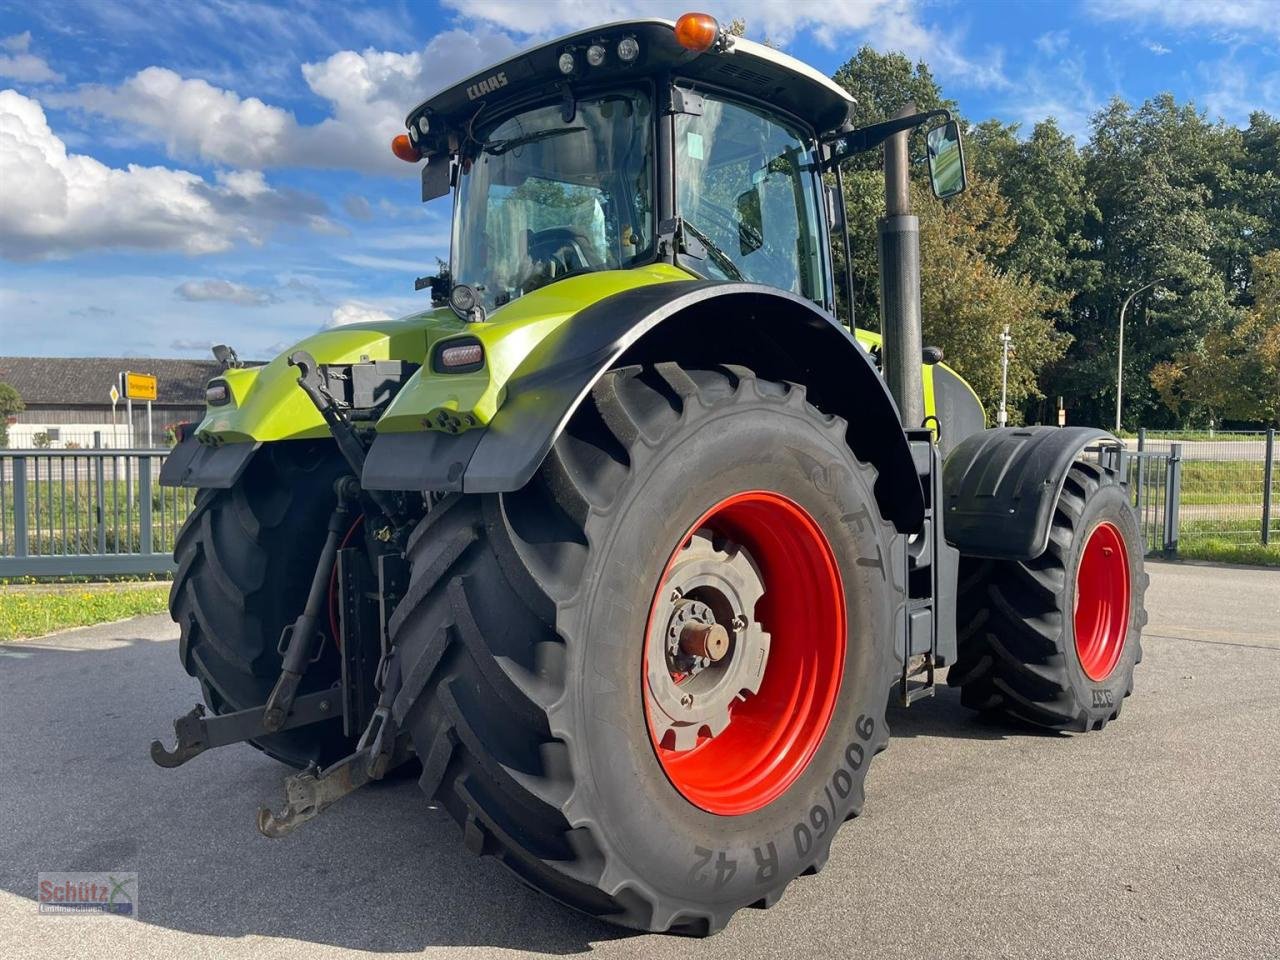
(18, 63)
(225, 291)
(1237, 17)
(1233, 91)
(1063, 91)
(66, 202)
(190, 346)
(1052, 42)
(383, 263)
(368, 94)
(356, 311)
(357, 207)
(1159, 49)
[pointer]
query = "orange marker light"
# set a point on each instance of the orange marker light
(405, 150)
(697, 31)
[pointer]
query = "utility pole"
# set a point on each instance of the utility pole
(1120, 355)
(1002, 417)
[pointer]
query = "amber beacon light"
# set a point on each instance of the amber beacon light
(697, 31)
(404, 149)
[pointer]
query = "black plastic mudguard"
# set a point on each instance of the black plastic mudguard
(779, 335)
(1001, 486)
(195, 464)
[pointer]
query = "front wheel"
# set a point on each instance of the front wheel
(651, 682)
(1054, 641)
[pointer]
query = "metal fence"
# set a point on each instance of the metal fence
(103, 512)
(1230, 485)
(77, 437)
(87, 513)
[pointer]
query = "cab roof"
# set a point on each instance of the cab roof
(745, 67)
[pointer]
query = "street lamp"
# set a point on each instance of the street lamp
(1120, 357)
(1002, 416)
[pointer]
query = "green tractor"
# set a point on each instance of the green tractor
(624, 545)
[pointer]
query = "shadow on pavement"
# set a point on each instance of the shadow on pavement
(379, 872)
(942, 716)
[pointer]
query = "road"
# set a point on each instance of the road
(1159, 837)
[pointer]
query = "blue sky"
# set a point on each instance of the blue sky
(178, 174)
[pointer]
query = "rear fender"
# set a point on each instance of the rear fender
(778, 335)
(1001, 487)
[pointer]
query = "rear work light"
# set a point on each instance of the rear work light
(460, 357)
(697, 31)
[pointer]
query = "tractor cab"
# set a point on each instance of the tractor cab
(626, 144)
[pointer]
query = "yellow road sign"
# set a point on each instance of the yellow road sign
(139, 386)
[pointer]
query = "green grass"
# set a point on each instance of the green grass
(1227, 482)
(1224, 551)
(31, 611)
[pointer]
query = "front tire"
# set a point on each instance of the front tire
(527, 633)
(1053, 641)
(246, 556)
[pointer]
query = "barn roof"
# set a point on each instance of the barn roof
(80, 381)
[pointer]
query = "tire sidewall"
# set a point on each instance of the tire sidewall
(748, 442)
(1100, 699)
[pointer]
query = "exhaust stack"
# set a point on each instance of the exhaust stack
(898, 245)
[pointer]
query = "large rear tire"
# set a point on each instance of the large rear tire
(245, 557)
(538, 632)
(1054, 641)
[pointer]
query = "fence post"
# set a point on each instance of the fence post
(20, 544)
(1142, 470)
(100, 484)
(145, 544)
(1172, 497)
(1267, 474)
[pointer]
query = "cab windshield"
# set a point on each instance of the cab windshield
(542, 198)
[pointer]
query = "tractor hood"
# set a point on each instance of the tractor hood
(266, 403)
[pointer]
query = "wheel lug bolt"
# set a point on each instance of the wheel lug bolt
(687, 700)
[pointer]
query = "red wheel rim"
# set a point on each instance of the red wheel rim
(1102, 601)
(773, 733)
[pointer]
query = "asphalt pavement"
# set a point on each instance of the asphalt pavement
(1156, 838)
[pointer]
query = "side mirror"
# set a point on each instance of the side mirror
(436, 178)
(835, 209)
(946, 160)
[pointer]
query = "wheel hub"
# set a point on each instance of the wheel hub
(707, 651)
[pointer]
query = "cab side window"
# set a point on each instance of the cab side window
(745, 183)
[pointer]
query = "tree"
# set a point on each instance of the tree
(1157, 175)
(10, 404)
(967, 298)
(1234, 374)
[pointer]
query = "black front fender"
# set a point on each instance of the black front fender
(778, 335)
(1001, 486)
(195, 464)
